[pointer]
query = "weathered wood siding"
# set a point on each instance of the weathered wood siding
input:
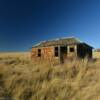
(34, 54)
(49, 53)
(46, 53)
(84, 51)
(72, 54)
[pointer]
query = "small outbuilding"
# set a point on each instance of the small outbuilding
(61, 49)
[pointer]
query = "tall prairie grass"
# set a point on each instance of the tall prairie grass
(21, 79)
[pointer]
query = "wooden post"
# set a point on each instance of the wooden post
(75, 50)
(59, 53)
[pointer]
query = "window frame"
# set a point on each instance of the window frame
(39, 53)
(72, 49)
(56, 51)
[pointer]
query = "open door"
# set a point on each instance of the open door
(63, 53)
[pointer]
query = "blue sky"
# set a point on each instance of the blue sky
(26, 22)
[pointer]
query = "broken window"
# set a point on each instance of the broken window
(39, 52)
(56, 51)
(72, 49)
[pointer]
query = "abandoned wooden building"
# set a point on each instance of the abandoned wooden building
(61, 49)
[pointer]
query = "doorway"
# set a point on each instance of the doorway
(63, 53)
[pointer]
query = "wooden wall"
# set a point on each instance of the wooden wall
(46, 53)
(84, 51)
(49, 53)
(72, 54)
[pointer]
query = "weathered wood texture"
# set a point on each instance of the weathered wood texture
(84, 51)
(72, 54)
(47, 53)
(61, 49)
(64, 52)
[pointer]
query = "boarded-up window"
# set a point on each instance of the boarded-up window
(71, 49)
(56, 51)
(39, 52)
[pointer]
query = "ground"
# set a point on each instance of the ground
(21, 79)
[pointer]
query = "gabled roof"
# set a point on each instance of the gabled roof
(61, 41)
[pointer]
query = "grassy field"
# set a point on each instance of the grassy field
(20, 79)
(96, 54)
(21, 55)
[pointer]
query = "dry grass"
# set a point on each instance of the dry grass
(96, 54)
(21, 55)
(20, 79)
